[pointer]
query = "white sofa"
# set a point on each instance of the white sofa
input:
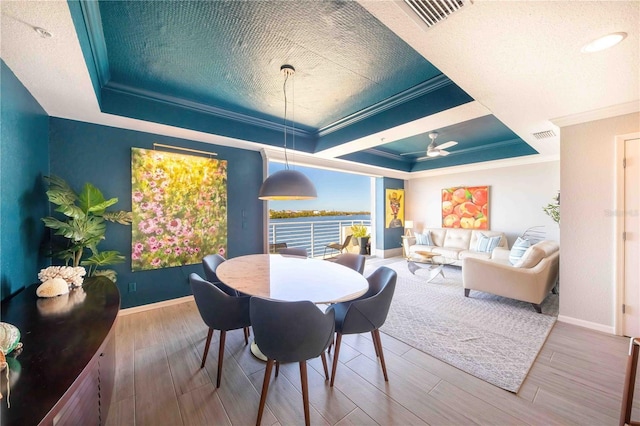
(454, 244)
(530, 279)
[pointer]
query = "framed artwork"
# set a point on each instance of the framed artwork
(394, 212)
(465, 207)
(179, 205)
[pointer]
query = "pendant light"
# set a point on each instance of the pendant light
(287, 184)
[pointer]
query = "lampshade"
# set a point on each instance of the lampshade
(408, 224)
(287, 185)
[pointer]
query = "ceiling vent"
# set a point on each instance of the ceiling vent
(545, 134)
(434, 11)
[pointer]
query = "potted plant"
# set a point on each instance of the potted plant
(553, 209)
(83, 226)
(361, 233)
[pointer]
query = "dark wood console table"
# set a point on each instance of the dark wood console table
(65, 372)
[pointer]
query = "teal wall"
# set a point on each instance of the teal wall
(24, 159)
(391, 237)
(83, 152)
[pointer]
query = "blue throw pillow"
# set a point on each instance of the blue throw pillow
(487, 244)
(519, 247)
(424, 239)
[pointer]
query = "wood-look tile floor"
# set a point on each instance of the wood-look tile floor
(576, 379)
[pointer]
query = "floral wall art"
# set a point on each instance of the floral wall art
(179, 205)
(465, 207)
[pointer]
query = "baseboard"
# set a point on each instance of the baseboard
(150, 306)
(384, 254)
(609, 329)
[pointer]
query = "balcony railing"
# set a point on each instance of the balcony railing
(312, 235)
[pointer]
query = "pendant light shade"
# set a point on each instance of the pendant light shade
(287, 185)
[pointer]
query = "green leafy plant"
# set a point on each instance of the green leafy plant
(553, 209)
(84, 226)
(359, 231)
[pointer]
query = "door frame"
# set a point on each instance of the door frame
(619, 207)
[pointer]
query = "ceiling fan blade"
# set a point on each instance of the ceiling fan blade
(424, 158)
(413, 153)
(447, 145)
(443, 153)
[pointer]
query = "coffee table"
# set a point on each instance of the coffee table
(435, 261)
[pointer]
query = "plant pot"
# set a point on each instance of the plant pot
(363, 242)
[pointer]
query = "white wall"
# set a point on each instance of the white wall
(516, 196)
(587, 177)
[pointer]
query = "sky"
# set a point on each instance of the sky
(336, 191)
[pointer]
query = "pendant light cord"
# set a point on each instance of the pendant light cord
(284, 89)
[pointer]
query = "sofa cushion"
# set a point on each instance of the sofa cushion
(457, 238)
(531, 257)
(474, 254)
(424, 239)
(486, 243)
(448, 252)
(437, 235)
(517, 251)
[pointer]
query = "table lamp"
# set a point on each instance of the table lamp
(408, 225)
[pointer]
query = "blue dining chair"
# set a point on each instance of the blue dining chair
(351, 260)
(290, 332)
(365, 314)
(293, 251)
(210, 264)
(219, 311)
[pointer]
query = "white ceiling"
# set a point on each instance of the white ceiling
(520, 60)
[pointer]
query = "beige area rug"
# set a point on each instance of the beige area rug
(490, 337)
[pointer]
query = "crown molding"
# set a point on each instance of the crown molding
(93, 23)
(421, 89)
(598, 114)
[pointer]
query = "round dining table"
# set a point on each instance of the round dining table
(291, 278)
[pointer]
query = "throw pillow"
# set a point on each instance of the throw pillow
(487, 244)
(424, 239)
(519, 247)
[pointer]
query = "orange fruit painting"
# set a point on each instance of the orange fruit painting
(465, 207)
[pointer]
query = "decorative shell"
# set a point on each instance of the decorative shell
(9, 338)
(52, 288)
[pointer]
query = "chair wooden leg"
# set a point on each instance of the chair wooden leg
(305, 392)
(246, 335)
(629, 382)
(336, 353)
(277, 368)
(324, 365)
(379, 343)
(373, 337)
(206, 347)
(265, 389)
(223, 334)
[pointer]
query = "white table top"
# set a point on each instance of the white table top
(292, 278)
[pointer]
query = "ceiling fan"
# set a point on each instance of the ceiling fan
(434, 150)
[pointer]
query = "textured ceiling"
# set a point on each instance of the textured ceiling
(368, 86)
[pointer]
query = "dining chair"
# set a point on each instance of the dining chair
(219, 311)
(630, 383)
(290, 332)
(210, 263)
(293, 251)
(337, 246)
(353, 261)
(365, 314)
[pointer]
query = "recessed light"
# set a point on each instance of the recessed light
(603, 42)
(42, 32)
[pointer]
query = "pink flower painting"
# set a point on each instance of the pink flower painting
(179, 205)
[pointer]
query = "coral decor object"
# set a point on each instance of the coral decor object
(52, 288)
(72, 275)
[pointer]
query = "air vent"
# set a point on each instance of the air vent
(545, 134)
(434, 11)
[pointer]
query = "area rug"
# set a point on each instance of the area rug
(490, 337)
